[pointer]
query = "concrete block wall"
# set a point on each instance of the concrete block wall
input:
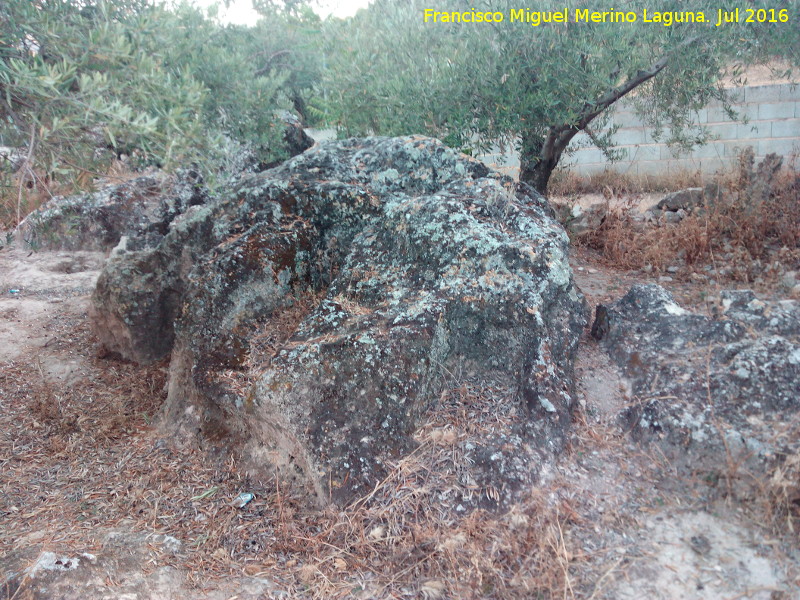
(773, 125)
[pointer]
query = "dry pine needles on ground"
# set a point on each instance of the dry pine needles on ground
(83, 458)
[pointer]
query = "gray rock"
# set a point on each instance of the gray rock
(759, 179)
(683, 199)
(68, 573)
(651, 216)
(139, 293)
(689, 199)
(585, 220)
(140, 209)
(428, 265)
(93, 221)
(697, 377)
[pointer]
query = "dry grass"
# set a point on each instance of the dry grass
(772, 496)
(781, 503)
(612, 183)
(81, 459)
(742, 240)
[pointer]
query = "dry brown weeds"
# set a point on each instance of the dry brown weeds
(83, 458)
(612, 183)
(739, 239)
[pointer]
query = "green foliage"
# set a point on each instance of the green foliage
(238, 103)
(82, 81)
(478, 84)
(75, 76)
(288, 41)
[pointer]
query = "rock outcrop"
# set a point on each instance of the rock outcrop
(139, 210)
(715, 390)
(675, 206)
(420, 268)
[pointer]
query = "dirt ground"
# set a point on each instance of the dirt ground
(94, 503)
(680, 540)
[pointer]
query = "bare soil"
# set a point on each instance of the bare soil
(96, 503)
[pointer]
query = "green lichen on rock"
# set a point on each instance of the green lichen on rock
(714, 390)
(428, 264)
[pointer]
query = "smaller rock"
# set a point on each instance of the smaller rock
(689, 199)
(140, 209)
(242, 500)
(602, 322)
(682, 199)
(651, 216)
(740, 300)
(700, 544)
(790, 279)
(587, 219)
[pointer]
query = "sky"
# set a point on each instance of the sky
(241, 11)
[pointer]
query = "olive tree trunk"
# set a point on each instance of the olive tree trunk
(540, 154)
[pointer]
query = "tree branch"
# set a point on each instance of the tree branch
(26, 165)
(559, 136)
(588, 130)
(592, 110)
(268, 65)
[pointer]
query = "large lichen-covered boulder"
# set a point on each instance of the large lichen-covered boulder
(712, 390)
(420, 268)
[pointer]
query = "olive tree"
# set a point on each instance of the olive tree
(75, 76)
(514, 78)
(82, 81)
